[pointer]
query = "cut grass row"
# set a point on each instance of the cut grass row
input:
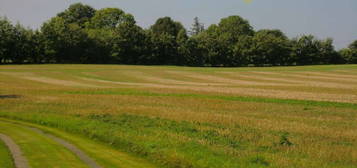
(341, 92)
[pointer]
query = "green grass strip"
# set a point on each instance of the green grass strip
(219, 97)
(5, 157)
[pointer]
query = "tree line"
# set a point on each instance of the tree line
(82, 34)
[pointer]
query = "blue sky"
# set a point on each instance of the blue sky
(323, 18)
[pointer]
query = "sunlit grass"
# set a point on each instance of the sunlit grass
(5, 157)
(186, 125)
(101, 153)
(46, 154)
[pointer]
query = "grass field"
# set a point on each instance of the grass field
(6, 160)
(188, 117)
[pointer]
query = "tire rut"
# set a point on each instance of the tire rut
(19, 160)
(79, 153)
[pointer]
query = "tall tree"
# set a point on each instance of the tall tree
(197, 27)
(21, 45)
(66, 43)
(77, 13)
(129, 44)
(35, 47)
(235, 26)
(181, 41)
(191, 53)
(101, 31)
(214, 46)
(309, 50)
(163, 36)
(306, 50)
(353, 45)
(350, 54)
(270, 47)
(7, 36)
(163, 49)
(242, 51)
(218, 42)
(328, 54)
(166, 25)
(109, 18)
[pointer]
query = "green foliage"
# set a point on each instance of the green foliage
(242, 51)
(233, 27)
(225, 44)
(307, 50)
(34, 47)
(167, 40)
(77, 13)
(109, 37)
(5, 155)
(197, 27)
(328, 53)
(353, 45)
(81, 34)
(190, 52)
(20, 45)
(66, 43)
(349, 55)
(166, 25)
(270, 47)
(7, 40)
(128, 42)
(109, 18)
(163, 49)
(213, 46)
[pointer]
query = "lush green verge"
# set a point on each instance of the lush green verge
(5, 157)
(39, 150)
(184, 144)
(105, 156)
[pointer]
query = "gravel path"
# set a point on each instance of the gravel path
(19, 159)
(81, 155)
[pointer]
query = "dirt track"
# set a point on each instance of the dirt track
(19, 159)
(81, 155)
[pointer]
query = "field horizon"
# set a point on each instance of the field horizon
(170, 116)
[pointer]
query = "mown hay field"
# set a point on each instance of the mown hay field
(196, 117)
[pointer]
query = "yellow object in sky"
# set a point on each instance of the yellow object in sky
(248, 1)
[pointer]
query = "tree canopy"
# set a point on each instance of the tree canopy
(77, 13)
(82, 34)
(109, 18)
